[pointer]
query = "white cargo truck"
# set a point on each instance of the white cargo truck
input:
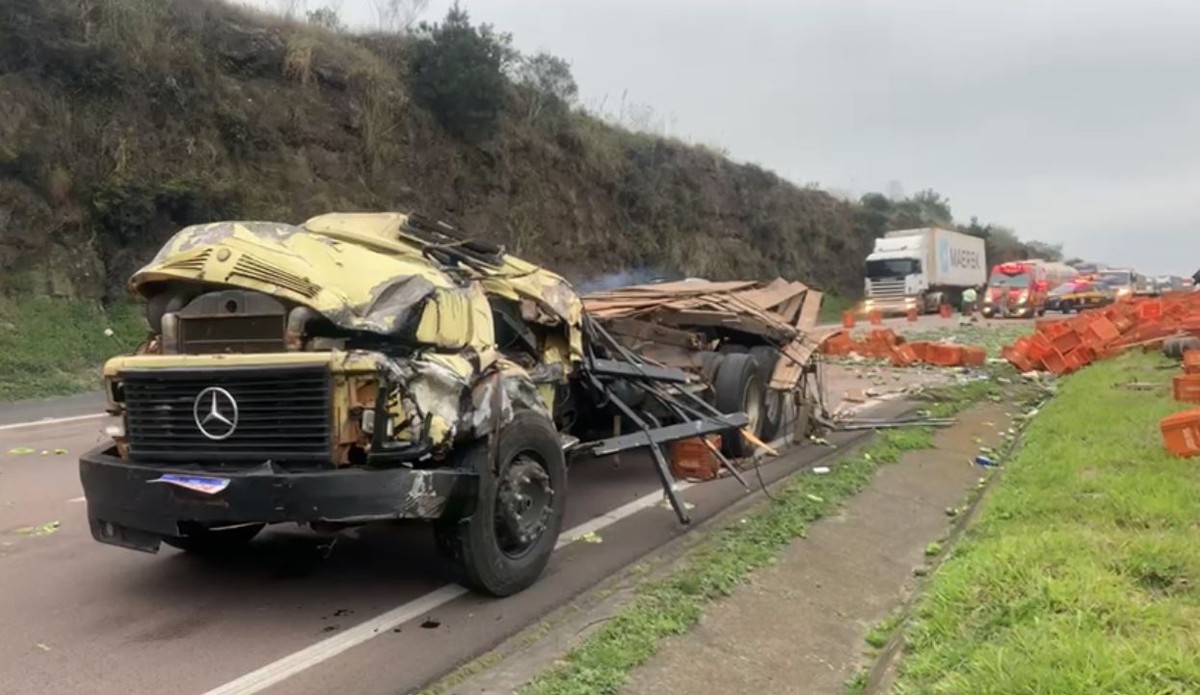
(921, 269)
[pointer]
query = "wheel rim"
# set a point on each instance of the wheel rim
(524, 500)
(752, 399)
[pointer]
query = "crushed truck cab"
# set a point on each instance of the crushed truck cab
(361, 368)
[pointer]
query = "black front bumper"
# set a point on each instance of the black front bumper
(127, 507)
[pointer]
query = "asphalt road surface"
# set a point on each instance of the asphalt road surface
(370, 614)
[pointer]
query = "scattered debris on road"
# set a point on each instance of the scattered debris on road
(43, 530)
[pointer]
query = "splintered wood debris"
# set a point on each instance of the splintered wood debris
(675, 322)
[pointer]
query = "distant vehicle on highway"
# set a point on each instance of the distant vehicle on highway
(1121, 281)
(1022, 288)
(1081, 292)
(922, 269)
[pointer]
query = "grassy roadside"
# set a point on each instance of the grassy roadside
(55, 347)
(671, 605)
(1082, 574)
(832, 307)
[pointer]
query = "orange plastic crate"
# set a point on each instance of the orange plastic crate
(692, 458)
(1101, 332)
(1055, 328)
(1066, 341)
(1187, 388)
(903, 356)
(883, 336)
(1055, 362)
(1150, 309)
(1039, 347)
(1017, 359)
(1181, 433)
(919, 349)
(1191, 362)
(837, 344)
(973, 356)
(944, 355)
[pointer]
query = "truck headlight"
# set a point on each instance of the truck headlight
(115, 390)
(114, 426)
(1023, 297)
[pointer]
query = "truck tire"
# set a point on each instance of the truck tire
(1175, 347)
(766, 357)
(737, 389)
(503, 546)
(215, 541)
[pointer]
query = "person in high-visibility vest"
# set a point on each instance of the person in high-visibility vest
(968, 300)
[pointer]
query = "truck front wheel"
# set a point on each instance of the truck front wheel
(504, 545)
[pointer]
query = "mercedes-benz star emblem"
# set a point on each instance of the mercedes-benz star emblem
(215, 412)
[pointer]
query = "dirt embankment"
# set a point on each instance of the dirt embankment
(121, 121)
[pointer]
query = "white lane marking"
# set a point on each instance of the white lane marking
(51, 421)
(610, 518)
(77, 500)
(292, 664)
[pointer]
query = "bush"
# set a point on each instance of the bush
(458, 74)
(548, 84)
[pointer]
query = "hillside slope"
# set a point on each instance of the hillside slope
(121, 121)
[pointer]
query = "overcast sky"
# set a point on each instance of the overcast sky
(1072, 121)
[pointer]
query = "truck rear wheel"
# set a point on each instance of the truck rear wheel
(504, 545)
(738, 389)
(215, 541)
(774, 402)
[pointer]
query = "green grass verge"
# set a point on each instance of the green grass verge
(832, 307)
(55, 347)
(1082, 574)
(671, 605)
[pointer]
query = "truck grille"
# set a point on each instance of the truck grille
(886, 289)
(282, 415)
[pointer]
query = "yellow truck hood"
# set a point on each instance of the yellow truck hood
(363, 271)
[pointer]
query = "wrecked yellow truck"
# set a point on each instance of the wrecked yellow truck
(369, 367)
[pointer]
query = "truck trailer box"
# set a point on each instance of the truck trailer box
(952, 259)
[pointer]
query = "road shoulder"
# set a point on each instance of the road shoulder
(616, 629)
(801, 624)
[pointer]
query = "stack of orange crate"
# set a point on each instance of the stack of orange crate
(1181, 431)
(1063, 346)
(884, 344)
